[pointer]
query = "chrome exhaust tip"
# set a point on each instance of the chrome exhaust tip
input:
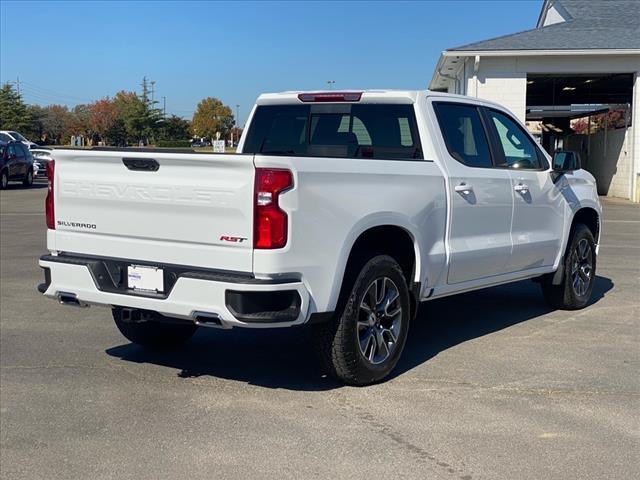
(70, 299)
(208, 319)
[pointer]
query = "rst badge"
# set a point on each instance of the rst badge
(228, 238)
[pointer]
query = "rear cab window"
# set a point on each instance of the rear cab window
(340, 130)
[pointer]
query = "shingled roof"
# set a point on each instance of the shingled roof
(590, 24)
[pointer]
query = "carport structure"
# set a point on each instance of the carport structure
(580, 67)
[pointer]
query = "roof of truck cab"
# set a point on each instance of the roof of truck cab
(369, 96)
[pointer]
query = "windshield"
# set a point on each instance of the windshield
(17, 136)
(372, 131)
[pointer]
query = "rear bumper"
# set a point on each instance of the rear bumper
(210, 298)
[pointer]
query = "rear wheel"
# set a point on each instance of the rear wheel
(363, 342)
(28, 180)
(143, 329)
(574, 291)
(4, 180)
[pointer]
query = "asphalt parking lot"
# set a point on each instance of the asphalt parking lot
(492, 385)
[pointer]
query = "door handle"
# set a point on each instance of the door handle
(521, 187)
(463, 188)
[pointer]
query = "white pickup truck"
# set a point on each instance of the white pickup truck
(341, 210)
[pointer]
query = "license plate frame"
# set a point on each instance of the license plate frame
(145, 278)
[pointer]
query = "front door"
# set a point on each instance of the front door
(538, 209)
(480, 196)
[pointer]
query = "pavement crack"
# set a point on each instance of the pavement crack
(397, 438)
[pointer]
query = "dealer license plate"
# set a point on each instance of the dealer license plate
(148, 279)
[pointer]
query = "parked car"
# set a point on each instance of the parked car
(340, 210)
(41, 157)
(200, 143)
(16, 164)
(11, 136)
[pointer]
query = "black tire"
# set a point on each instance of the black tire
(339, 342)
(4, 180)
(572, 294)
(28, 179)
(152, 334)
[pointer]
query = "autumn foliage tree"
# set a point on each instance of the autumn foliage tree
(125, 118)
(212, 117)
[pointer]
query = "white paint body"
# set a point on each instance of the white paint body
(178, 214)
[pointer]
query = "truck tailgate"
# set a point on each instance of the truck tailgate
(193, 209)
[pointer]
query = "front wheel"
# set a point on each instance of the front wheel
(574, 291)
(149, 333)
(363, 342)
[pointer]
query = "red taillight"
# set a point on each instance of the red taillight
(330, 97)
(48, 203)
(269, 221)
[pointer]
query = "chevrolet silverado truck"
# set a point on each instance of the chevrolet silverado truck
(340, 210)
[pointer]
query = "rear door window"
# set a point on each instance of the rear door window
(335, 130)
(464, 133)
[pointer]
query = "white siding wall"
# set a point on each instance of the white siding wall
(497, 80)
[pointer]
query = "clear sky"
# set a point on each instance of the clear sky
(75, 52)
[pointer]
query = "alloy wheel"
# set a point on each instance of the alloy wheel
(379, 320)
(582, 267)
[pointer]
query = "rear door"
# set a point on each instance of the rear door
(480, 196)
(173, 208)
(538, 215)
(25, 160)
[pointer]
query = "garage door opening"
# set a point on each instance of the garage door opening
(590, 114)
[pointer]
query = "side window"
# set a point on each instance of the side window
(464, 134)
(24, 150)
(518, 149)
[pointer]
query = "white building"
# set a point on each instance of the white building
(581, 60)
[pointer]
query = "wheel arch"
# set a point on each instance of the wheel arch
(395, 239)
(589, 217)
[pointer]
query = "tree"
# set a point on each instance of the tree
(13, 112)
(131, 110)
(211, 117)
(102, 116)
(174, 128)
(37, 114)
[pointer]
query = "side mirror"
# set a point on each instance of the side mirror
(566, 161)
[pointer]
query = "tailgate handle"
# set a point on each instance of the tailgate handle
(143, 164)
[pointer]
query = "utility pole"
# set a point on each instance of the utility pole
(237, 116)
(330, 83)
(153, 90)
(164, 107)
(18, 84)
(145, 91)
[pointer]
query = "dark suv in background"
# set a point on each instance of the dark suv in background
(16, 164)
